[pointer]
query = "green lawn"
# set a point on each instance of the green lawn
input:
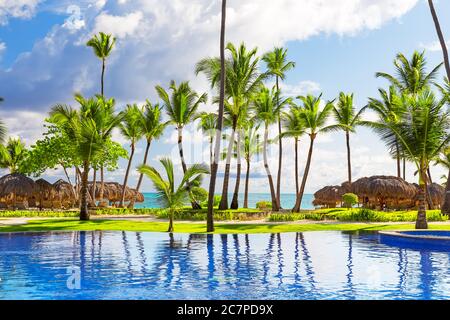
(123, 225)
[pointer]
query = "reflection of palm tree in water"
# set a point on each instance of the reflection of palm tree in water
(280, 259)
(237, 254)
(126, 248)
(426, 275)
(308, 263)
(296, 260)
(142, 256)
(350, 267)
(402, 269)
(212, 281)
(268, 258)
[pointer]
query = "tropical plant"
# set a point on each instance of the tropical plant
(171, 197)
(102, 44)
(242, 80)
(294, 128)
(422, 133)
(314, 120)
(208, 124)
(12, 155)
(88, 135)
(349, 199)
(252, 146)
(389, 110)
(132, 129)
(181, 107)
(152, 127)
(446, 204)
(277, 66)
(345, 114)
(266, 109)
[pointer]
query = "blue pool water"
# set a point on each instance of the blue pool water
(287, 200)
(130, 265)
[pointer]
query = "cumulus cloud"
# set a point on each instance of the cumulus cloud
(17, 9)
(434, 46)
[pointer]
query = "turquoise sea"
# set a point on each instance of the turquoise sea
(287, 200)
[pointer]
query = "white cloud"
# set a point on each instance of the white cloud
(302, 88)
(433, 46)
(120, 26)
(17, 9)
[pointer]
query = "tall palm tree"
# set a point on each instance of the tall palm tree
(314, 120)
(181, 107)
(446, 204)
(87, 135)
(12, 154)
(389, 109)
(171, 197)
(150, 120)
(294, 128)
(241, 81)
(131, 129)
(277, 65)
(102, 44)
(208, 124)
(252, 146)
(266, 106)
(423, 135)
(221, 85)
(345, 114)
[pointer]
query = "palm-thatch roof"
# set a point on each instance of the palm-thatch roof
(64, 190)
(45, 189)
(388, 187)
(113, 192)
(328, 196)
(17, 185)
(436, 192)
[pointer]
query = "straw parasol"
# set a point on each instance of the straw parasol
(45, 189)
(328, 196)
(436, 193)
(17, 187)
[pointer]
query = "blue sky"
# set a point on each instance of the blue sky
(338, 46)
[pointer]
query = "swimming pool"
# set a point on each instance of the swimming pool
(133, 265)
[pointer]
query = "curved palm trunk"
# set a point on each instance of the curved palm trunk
(171, 214)
(296, 165)
(446, 204)
(397, 152)
(298, 201)
(211, 154)
(269, 175)
(125, 181)
(84, 212)
(247, 179)
(235, 200)
(226, 178)
(94, 189)
(212, 181)
(349, 161)
(103, 76)
(428, 194)
(141, 176)
(70, 182)
(421, 222)
(102, 184)
(280, 148)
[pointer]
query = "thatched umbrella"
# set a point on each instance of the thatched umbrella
(113, 192)
(436, 192)
(47, 193)
(65, 193)
(17, 188)
(384, 190)
(328, 196)
(139, 196)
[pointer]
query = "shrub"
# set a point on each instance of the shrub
(199, 194)
(217, 199)
(378, 216)
(264, 205)
(349, 199)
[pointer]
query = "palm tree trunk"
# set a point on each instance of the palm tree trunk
(141, 176)
(170, 221)
(280, 147)
(421, 222)
(102, 184)
(70, 182)
(428, 194)
(269, 175)
(349, 162)
(84, 212)
(397, 151)
(298, 201)
(247, 178)
(296, 164)
(445, 208)
(226, 178)
(211, 153)
(94, 187)
(235, 200)
(125, 181)
(212, 180)
(194, 204)
(103, 77)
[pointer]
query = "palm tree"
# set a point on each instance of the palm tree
(252, 145)
(87, 135)
(346, 115)
(215, 164)
(423, 135)
(294, 128)
(170, 197)
(242, 80)
(315, 122)
(444, 161)
(102, 44)
(12, 154)
(389, 109)
(181, 107)
(266, 106)
(446, 204)
(277, 65)
(131, 128)
(208, 124)
(2, 128)
(150, 120)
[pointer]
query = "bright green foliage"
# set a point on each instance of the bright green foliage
(264, 205)
(350, 199)
(102, 44)
(199, 194)
(12, 155)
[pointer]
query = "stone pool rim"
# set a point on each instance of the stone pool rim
(404, 234)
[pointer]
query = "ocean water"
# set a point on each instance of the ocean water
(287, 200)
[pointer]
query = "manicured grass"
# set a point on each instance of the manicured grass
(123, 225)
